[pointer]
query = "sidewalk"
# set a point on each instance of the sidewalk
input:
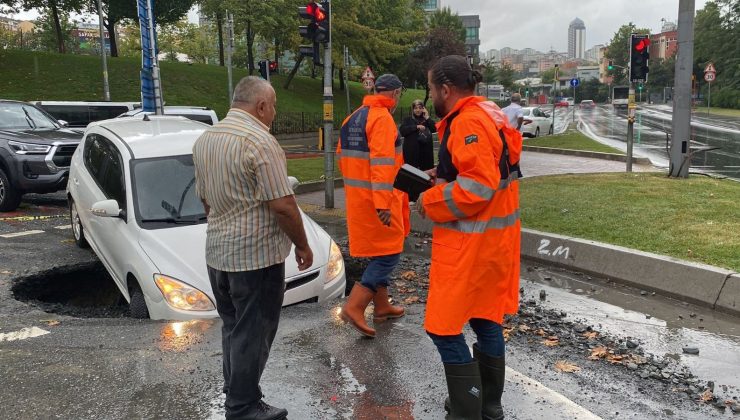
(532, 164)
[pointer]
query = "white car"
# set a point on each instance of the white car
(536, 122)
(132, 199)
(195, 113)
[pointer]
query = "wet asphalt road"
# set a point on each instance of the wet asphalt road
(720, 134)
(102, 364)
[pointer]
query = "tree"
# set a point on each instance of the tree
(445, 18)
(714, 26)
(165, 11)
(505, 76)
(618, 51)
(215, 11)
(439, 42)
(56, 10)
(51, 32)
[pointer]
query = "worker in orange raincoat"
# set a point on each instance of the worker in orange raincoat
(370, 154)
(474, 277)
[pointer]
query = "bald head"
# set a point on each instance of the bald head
(516, 98)
(257, 97)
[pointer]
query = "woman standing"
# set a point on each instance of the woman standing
(417, 132)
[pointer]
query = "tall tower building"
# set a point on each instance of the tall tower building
(577, 39)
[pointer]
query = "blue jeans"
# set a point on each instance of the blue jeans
(454, 350)
(378, 271)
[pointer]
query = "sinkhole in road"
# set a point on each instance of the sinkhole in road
(82, 291)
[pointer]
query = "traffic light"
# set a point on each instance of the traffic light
(639, 54)
(273, 67)
(611, 65)
(317, 31)
(263, 69)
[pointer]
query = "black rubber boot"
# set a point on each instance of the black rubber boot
(464, 387)
(492, 374)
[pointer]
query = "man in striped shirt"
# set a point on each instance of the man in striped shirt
(242, 179)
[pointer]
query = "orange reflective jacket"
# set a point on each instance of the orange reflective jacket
(370, 155)
(476, 236)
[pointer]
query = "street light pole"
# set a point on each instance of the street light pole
(229, 51)
(328, 120)
(106, 87)
(681, 123)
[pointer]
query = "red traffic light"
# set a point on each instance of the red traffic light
(316, 11)
(642, 45)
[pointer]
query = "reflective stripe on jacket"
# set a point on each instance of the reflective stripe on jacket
(476, 237)
(370, 155)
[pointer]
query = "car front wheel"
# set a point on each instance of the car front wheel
(137, 306)
(10, 199)
(77, 230)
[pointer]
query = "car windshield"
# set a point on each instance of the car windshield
(526, 111)
(164, 191)
(19, 116)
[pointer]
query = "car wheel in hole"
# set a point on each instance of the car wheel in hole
(137, 305)
(10, 199)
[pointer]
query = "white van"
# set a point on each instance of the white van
(82, 113)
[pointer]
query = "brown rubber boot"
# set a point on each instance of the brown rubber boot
(353, 310)
(383, 308)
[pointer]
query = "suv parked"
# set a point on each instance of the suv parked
(81, 113)
(35, 152)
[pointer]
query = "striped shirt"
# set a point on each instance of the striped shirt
(239, 166)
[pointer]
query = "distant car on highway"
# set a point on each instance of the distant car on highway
(195, 113)
(570, 101)
(562, 103)
(35, 151)
(132, 200)
(536, 122)
(587, 105)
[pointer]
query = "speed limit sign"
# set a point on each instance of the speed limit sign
(710, 76)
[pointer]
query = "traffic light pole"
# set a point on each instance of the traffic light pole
(106, 86)
(681, 123)
(631, 107)
(328, 122)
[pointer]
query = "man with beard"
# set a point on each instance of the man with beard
(474, 276)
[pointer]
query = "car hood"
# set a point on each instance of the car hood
(42, 136)
(179, 252)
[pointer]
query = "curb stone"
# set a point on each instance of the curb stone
(586, 154)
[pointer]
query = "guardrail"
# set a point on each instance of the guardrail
(310, 122)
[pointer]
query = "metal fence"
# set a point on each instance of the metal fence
(310, 122)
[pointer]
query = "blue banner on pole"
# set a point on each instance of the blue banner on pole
(148, 98)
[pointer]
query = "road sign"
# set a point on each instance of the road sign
(368, 74)
(368, 84)
(710, 68)
(710, 76)
(574, 82)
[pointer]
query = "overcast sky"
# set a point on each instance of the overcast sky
(541, 24)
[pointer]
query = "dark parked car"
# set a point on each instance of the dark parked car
(35, 152)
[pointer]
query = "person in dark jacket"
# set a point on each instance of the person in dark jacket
(417, 132)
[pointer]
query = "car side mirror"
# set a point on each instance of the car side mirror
(293, 181)
(63, 123)
(106, 208)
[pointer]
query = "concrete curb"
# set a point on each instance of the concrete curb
(700, 284)
(313, 186)
(586, 154)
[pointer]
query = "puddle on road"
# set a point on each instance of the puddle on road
(85, 291)
(663, 326)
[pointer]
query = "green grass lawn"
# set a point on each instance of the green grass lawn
(696, 219)
(30, 76)
(724, 112)
(310, 169)
(571, 140)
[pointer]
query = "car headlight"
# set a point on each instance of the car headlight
(336, 263)
(29, 148)
(182, 296)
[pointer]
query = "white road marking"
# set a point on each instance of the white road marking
(17, 234)
(63, 227)
(565, 407)
(28, 332)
